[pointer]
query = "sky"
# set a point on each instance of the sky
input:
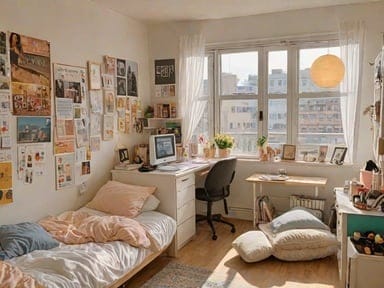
(245, 63)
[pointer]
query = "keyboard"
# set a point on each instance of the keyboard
(167, 168)
(182, 166)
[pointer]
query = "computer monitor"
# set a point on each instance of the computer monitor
(162, 149)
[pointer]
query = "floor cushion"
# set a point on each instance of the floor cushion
(253, 246)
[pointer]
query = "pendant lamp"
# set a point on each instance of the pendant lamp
(327, 71)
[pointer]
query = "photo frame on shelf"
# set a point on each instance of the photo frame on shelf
(338, 155)
(323, 149)
(289, 152)
(123, 155)
(94, 74)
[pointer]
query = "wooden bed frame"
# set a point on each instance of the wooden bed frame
(136, 269)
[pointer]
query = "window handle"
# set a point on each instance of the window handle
(261, 117)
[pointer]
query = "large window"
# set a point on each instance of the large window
(267, 90)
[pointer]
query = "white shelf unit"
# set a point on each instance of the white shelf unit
(155, 123)
(349, 220)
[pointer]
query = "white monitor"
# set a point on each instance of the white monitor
(162, 149)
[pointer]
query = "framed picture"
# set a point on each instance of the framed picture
(323, 149)
(94, 74)
(123, 155)
(338, 155)
(289, 152)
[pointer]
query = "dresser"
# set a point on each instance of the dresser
(357, 270)
(176, 192)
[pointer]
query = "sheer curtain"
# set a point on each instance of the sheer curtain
(351, 35)
(191, 67)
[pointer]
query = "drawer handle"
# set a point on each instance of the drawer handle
(183, 180)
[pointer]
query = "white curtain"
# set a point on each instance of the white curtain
(351, 35)
(191, 67)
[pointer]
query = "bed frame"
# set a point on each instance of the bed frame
(138, 268)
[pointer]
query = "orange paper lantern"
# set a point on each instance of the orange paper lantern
(327, 71)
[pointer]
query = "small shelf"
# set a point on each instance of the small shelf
(164, 119)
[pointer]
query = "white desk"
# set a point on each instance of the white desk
(292, 180)
(176, 192)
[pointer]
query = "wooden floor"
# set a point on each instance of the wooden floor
(219, 257)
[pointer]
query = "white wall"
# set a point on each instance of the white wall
(164, 43)
(78, 31)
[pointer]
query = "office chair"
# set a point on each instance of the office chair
(216, 188)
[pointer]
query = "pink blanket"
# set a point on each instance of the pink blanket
(13, 277)
(75, 227)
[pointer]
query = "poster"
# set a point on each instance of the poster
(6, 175)
(95, 143)
(30, 75)
(33, 129)
(4, 63)
(108, 127)
(64, 171)
(70, 82)
(165, 71)
(126, 77)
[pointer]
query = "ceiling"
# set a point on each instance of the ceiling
(185, 10)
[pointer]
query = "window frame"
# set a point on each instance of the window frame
(293, 47)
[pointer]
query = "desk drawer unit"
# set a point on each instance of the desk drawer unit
(186, 227)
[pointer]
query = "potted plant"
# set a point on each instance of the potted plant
(224, 142)
(262, 144)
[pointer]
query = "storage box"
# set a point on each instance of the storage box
(364, 270)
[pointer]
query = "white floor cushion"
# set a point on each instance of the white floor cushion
(253, 246)
(301, 244)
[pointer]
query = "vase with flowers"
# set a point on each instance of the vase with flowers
(262, 144)
(224, 142)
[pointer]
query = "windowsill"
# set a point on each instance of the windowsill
(295, 163)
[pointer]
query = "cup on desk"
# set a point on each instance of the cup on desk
(179, 154)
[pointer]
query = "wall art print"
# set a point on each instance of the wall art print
(30, 75)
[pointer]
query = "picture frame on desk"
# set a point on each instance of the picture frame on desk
(338, 155)
(123, 155)
(289, 152)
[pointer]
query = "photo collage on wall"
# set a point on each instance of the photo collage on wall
(83, 117)
(124, 74)
(6, 185)
(71, 131)
(30, 70)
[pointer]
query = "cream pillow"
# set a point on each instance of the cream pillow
(307, 254)
(150, 204)
(121, 199)
(252, 246)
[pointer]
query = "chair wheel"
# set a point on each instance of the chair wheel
(233, 230)
(214, 237)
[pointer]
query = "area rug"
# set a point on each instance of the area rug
(177, 275)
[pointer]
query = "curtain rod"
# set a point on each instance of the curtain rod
(285, 40)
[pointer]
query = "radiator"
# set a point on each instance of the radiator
(316, 205)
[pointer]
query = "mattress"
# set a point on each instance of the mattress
(94, 264)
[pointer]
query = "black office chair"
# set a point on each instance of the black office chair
(216, 188)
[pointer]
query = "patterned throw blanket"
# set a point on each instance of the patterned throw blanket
(13, 277)
(76, 227)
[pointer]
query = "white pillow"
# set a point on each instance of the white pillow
(301, 244)
(297, 218)
(252, 246)
(150, 204)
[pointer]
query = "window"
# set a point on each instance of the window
(267, 90)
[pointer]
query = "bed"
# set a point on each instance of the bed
(94, 264)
